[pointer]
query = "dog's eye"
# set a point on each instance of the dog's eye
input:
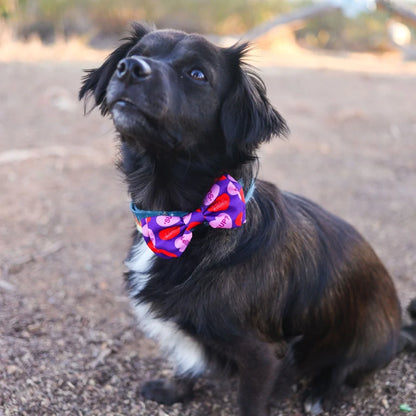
(197, 75)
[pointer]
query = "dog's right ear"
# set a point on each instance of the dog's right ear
(247, 116)
(95, 82)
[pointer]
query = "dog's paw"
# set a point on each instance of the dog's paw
(165, 391)
(160, 391)
(313, 406)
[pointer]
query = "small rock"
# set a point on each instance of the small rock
(11, 369)
(7, 286)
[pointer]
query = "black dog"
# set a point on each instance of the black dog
(292, 287)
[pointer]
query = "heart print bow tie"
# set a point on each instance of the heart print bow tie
(168, 234)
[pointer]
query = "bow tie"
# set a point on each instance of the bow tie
(168, 233)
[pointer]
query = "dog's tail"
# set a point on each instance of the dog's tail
(407, 340)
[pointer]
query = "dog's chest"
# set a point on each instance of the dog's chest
(186, 353)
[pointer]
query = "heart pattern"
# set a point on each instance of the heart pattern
(169, 235)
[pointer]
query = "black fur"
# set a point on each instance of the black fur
(295, 286)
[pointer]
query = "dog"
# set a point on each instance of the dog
(226, 271)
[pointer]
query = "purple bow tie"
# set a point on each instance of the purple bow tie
(169, 235)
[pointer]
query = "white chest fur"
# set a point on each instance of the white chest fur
(186, 353)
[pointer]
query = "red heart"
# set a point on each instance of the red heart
(169, 233)
(220, 204)
(193, 224)
(239, 220)
(160, 250)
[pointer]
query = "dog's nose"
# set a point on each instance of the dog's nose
(133, 67)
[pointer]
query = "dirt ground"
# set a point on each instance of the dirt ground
(68, 341)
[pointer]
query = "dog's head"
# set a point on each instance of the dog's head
(171, 91)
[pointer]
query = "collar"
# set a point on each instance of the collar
(141, 214)
(168, 233)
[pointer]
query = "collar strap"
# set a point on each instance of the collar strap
(168, 233)
(250, 191)
(141, 214)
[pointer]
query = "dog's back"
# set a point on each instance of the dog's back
(341, 299)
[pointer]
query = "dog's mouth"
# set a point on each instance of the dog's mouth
(123, 103)
(127, 115)
(138, 127)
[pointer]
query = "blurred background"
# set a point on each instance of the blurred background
(355, 25)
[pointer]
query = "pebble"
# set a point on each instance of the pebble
(11, 369)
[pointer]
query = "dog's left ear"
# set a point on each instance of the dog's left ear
(247, 116)
(96, 81)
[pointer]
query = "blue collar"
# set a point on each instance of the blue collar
(140, 213)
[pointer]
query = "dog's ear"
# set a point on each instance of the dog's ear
(247, 116)
(96, 80)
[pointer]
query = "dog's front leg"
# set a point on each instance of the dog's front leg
(258, 369)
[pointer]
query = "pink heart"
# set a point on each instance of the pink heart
(212, 194)
(221, 221)
(182, 242)
(232, 189)
(165, 221)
